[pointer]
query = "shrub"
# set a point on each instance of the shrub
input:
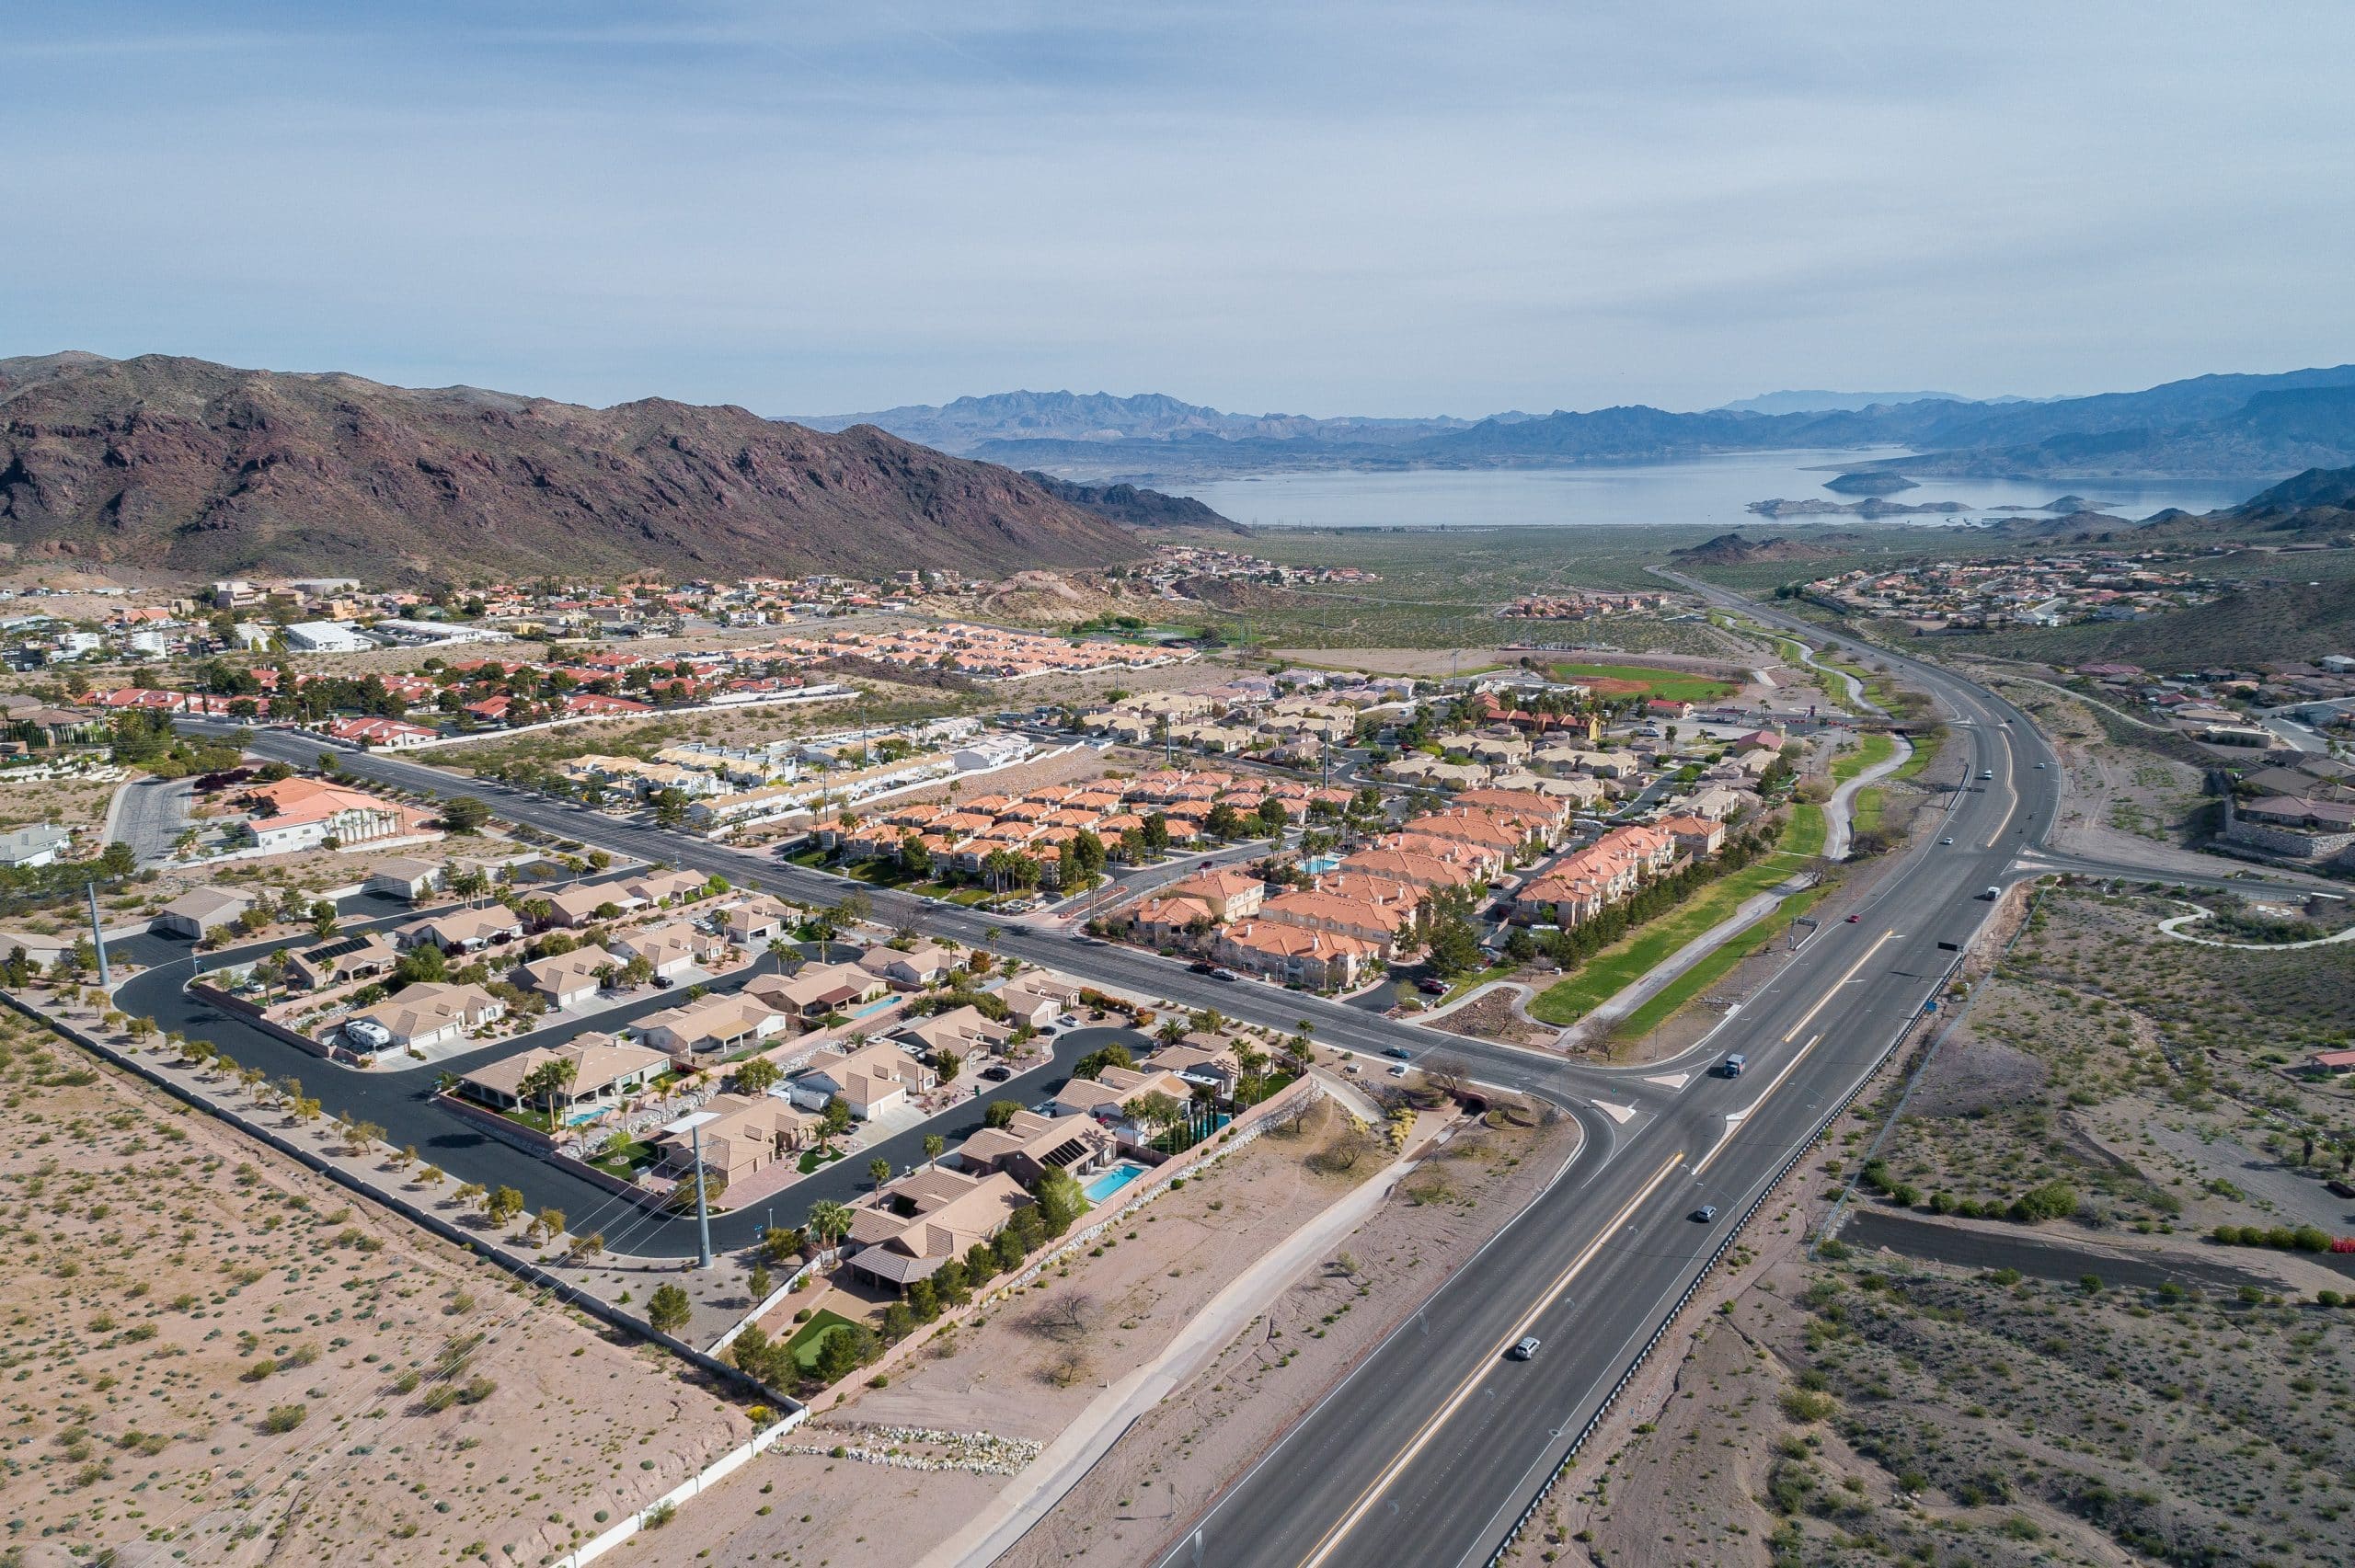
(285, 1417)
(2053, 1200)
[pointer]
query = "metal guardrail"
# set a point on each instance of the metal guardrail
(1668, 1319)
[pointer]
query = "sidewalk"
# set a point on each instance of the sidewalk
(1839, 811)
(1066, 1461)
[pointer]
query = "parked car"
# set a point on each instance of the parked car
(1526, 1350)
(1224, 975)
(997, 1074)
(1400, 1071)
(1203, 967)
(1432, 985)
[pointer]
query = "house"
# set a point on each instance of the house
(400, 878)
(200, 911)
(2331, 1061)
(757, 922)
(963, 1030)
(749, 1134)
(1204, 1061)
(1029, 1003)
(567, 980)
(926, 963)
(354, 957)
(579, 904)
(1168, 922)
(605, 1070)
(425, 1015)
(379, 734)
(926, 1218)
(871, 1078)
(463, 931)
(34, 846)
(1109, 1094)
(1031, 1144)
(672, 948)
(815, 990)
(714, 1024)
(302, 814)
(665, 887)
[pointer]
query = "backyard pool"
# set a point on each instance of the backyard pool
(1318, 866)
(1110, 1182)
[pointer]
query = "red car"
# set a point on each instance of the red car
(1853, 919)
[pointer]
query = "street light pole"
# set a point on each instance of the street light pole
(703, 1207)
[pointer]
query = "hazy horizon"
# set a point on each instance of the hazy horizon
(1305, 208)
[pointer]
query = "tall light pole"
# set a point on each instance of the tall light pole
(693, 1124)
(99, 937)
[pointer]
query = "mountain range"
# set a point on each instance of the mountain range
(2254, 427)
(186, 466)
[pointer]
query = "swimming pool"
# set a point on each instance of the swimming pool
(1318, 866)
(1107, 1183)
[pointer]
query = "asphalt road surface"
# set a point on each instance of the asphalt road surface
(1427, 1451)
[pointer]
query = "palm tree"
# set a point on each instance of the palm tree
(879, 1169)
(828, 1223)
(933, 1144)
(778, 948)
(550, 1079)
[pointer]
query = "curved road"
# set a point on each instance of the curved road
(1427, 1451)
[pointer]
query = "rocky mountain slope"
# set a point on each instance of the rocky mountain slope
(1132, 506)
(183, 465)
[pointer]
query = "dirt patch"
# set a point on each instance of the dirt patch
(223, 1358)
(1166, 1468)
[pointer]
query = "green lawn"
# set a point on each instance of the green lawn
(1696, 980)
(1616, 968)
(811, 1159)
(1671, 685)
(806, 1345)
(627, 1159)
(1873, 751)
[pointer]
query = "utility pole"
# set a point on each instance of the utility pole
(692, 1124)
(99, 938)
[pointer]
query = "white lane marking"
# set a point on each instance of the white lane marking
(1670, 1079)
(1838, 985)
(2012, 802)
(1620, 1114)
(1735, 1118)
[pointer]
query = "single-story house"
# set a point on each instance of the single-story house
(672, 948)
(870, 1079)
(757, 922)
(1109, 1094)
(960, 1029)
(816, 989)
(666, 887)
(463, 931)
(1031, 1144)
(926, 1218)
(197, 911)
(713, 1025)
(1029, 1004)
(926, 963)
(1203, 1061)
(424, 1015)
(402, 877)
(749, 1134)
(577, 905)
(37, 846)
(567, 980)
(351, 958)
(604, 1070)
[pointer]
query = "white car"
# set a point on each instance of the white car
(1400, 1071)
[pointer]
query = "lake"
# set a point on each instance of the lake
(1713, 490)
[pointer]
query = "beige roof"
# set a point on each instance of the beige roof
(427, 1009)
(207, 905)
(599, 1059)
(552, 972)
(713, 1018)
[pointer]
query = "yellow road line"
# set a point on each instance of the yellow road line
(2005, 736)
(1365, 1501)
(1824, 1000)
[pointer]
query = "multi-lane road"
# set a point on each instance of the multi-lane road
(1427, 1451)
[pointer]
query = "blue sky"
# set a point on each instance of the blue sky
(1320, 209)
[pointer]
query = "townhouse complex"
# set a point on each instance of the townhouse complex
(2031, 591)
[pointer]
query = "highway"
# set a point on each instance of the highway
(1427, 1451)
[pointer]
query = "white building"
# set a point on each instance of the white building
(326, 637)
